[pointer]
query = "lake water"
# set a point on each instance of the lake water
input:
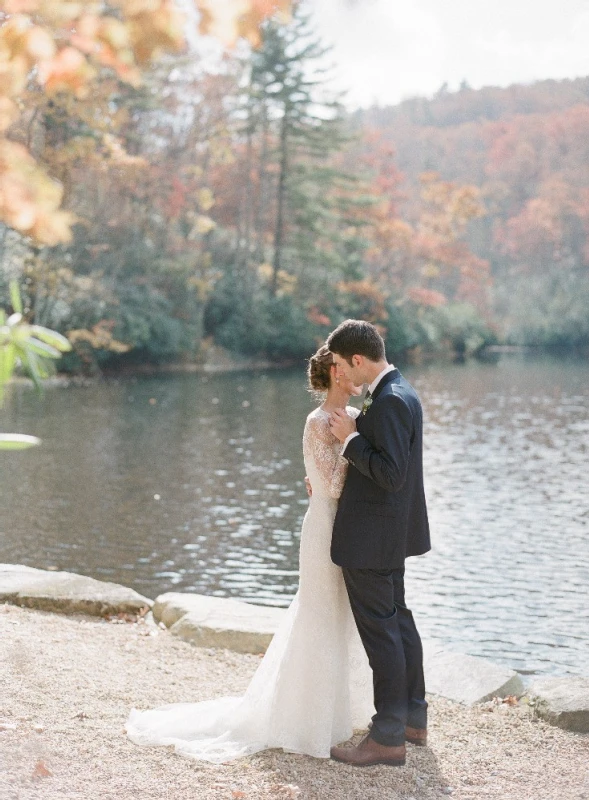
(195, 483)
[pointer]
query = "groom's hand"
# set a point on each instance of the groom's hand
(341, 424)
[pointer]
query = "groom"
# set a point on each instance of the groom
(381, 519)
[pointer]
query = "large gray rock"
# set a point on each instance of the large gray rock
(66, 592)
(218, 621)
(234, 625)
(563, 702)
(467, 679)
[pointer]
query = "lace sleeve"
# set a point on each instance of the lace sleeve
(330, 465)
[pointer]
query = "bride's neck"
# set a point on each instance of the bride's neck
(335, 398)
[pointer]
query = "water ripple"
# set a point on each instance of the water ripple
(195, 495)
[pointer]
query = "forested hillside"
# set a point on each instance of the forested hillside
(527, 150)
(243, 206)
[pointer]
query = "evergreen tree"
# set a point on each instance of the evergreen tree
(294, 130)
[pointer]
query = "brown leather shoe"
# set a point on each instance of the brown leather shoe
(416, 736)
(368, 753)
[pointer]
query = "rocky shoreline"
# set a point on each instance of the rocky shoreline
(77, 654)
(228, 624)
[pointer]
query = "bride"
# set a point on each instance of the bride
(314, 684)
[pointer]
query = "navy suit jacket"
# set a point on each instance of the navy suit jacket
(382, 516)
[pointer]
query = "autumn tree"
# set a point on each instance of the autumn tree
(54, 47)
(68, 109)
(288, 197)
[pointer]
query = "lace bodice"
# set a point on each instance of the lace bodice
(321, 451)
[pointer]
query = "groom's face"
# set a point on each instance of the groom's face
(346, 370)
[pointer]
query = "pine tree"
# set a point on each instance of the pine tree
(294, 200)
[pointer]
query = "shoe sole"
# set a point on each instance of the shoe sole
(399, 762)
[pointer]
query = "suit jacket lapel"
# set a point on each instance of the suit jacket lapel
(391, 376)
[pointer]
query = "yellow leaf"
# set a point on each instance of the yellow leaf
(201, 226)
(221, 19)
(115, 33)
(20, 6)
(39, 44)
(67, 71)
(205, 199)
(53, 228)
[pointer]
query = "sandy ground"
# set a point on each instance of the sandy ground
(67, 684)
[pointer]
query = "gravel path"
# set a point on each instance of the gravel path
(67, 684)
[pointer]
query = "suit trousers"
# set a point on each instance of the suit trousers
(394, 651)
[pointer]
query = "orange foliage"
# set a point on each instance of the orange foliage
(234, 19)
(62, 46)
(29, 199)
(366, 298)
(550, 227)
(426, 297)
(315, 316)
(448, 265)
(390, 238)
(448, 207)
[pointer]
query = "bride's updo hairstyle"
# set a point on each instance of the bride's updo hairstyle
(319, 370)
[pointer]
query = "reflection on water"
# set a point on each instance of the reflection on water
(195, 483)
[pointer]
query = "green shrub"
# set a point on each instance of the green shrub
(255, 324)
(454, 329)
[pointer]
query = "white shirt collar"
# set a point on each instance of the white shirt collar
(379, 377)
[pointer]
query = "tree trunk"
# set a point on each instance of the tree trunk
(263, 191)
(244, 223)
(279, 230)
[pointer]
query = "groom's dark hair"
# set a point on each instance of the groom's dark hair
(356, 337)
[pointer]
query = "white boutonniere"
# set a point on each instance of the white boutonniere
(366, 405)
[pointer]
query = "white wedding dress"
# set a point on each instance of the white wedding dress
(314, 685)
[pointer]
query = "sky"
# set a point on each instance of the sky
(388, 50)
